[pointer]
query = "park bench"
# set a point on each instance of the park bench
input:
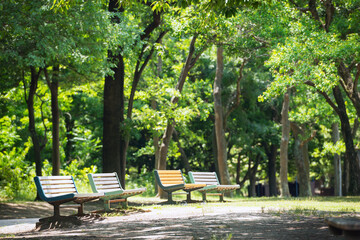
(57, 190)
(173, 180)
(349, 227)
(109, 185)
(212, 184)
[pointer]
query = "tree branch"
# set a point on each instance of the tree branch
(151, 27)
(324, 94)
(238, 93)
(313, 134)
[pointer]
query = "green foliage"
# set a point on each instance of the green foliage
(15, 174)
(141, 180)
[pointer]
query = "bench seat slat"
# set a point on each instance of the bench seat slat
(54, 178)
(58, 186)
(112, 182)
(56, 182)
(109, 185)
(64, 191)
(100, 175)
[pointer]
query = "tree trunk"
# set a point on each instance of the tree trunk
(53, 84)
(284, 146)
(36, 139)
(272, 170)
(350, 85)
(113, 113)
(353, 187)
(301, 156)
(219, 121)
(32, 129)
(337, 161)
(252, 174)
(69, 125)
(113, 107)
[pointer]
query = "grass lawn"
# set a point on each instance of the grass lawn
(315, 206)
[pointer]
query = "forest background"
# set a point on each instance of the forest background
(258, 91)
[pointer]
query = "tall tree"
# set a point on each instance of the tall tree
(284, 145)
(301, 155)
(219, 121)
(116, 134)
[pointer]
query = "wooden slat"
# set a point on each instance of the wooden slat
(171, 182)
(106, 183)
(207, 182)
(55, 178)
(205, 177)
(56, 194)
(203, 173)
(62, 192)
(99, 182)
(108, 190)
(208, 178)
(117, 200)
(107, 186)
(103, 175)
(57, 182)
(60, 186)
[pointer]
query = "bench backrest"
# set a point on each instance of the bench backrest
(53, 186)
(208, 178)
(170, 177)
(104, 182)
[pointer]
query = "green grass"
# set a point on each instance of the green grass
(312, 206)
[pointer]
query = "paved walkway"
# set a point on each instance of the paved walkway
(11, 226)
(190, 222)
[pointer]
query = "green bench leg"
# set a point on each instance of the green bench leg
(188, 197)
(56, 210)
(222, 197)
(204, 196)
(81, 209)
(170, 200)
(107, 206)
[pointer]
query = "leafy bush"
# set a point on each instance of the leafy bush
(16, 175)
(142, 180)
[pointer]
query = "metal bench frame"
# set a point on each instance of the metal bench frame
(57, 190)
(173, 180)
(212, 184)
(110, 186)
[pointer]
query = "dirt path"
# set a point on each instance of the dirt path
(189, 222)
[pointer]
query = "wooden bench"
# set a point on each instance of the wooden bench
(57, 190)
(173, 180)
(350, 227)
(212, 184)
(109, 185)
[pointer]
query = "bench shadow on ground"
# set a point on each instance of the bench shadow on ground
(220, 226)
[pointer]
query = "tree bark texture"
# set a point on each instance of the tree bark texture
(113, 113)
(53, 84)
(69, 125)
(32, 128)
(301, 156)
(219, 121)
(284, 146)
(337, 161)
(114, 109)
(353, 187)
(271, 152)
